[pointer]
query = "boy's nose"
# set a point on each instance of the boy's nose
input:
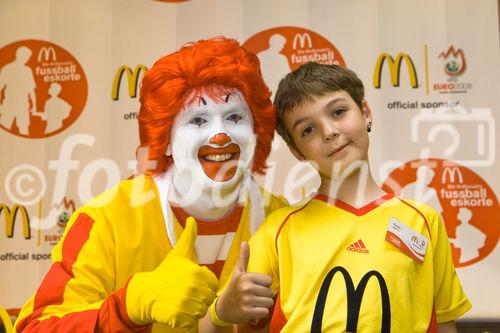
(220, 139)
(329, 132)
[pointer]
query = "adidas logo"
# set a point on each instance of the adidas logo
(358, 246)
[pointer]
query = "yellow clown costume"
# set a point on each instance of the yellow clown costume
(124, 231)
(337, 268)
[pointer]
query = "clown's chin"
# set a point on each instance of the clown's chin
(220, 168)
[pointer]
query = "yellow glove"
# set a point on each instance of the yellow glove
(178, 292)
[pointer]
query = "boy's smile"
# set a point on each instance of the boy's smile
(339, 150)
(329, 130)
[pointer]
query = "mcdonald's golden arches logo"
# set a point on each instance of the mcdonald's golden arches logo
(451, 175)
(354, 299)
(394, 65)
(10, 219)
(132, 80)
(302, 39)
(47, 54)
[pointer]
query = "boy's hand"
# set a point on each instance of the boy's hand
(248, 296)
(178, 292)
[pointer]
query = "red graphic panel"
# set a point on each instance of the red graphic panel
(43, 88)
(298, 45)
(465, 201)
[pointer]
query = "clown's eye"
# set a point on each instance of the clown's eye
(234, 118)
(198, 121)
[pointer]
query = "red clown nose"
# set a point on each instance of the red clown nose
(220, 139)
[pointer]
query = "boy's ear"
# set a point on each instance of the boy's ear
(366, 111)
(295, 152)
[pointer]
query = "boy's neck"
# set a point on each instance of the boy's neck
(356, 189)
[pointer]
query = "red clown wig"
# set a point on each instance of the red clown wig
(211, 66)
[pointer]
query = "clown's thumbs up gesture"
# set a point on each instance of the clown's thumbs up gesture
(178, 292)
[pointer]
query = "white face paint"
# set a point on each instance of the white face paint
(213, 143)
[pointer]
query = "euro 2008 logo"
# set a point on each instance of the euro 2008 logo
(43, 88)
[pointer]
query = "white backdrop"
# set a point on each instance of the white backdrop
(81, 136)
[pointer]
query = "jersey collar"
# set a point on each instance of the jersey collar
(347, 207)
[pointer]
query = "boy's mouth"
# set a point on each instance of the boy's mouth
(338, 149)
(219, 164)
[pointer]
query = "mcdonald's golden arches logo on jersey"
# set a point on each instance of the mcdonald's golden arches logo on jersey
(354, 296)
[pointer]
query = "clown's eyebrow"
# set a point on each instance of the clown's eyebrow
(203, 101)
(233, 94)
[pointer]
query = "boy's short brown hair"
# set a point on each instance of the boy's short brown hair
(313, 80)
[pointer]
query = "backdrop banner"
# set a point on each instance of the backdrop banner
(70, 73)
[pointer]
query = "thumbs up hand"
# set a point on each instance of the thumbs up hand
(178, 292)
(248, 296)
(185, 245)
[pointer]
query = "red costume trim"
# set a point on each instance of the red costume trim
(112, 315)
(356, 211)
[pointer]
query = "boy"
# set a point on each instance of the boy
(351, 257)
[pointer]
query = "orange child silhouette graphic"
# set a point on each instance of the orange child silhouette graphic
(274, 65)
(17, 87)
(56, 109)
(421, 190)
(469, 239)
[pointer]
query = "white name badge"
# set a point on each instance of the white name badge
(407, 240)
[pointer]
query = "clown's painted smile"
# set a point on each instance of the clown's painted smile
(219, 164)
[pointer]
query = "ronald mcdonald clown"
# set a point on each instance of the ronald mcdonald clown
(150, 254)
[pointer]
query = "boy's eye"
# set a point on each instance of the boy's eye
(234, 118)
(198, 121)
(306, 131)
(337, 112)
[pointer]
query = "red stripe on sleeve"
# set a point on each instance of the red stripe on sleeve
(73, 322)
(433, 325)
(113, 316)
(284, 222)
(421, 215)
(51, 290)
(278, 320)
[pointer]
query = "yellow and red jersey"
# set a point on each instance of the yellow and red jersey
(337, 268)
(214, 237)
(117, 234)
